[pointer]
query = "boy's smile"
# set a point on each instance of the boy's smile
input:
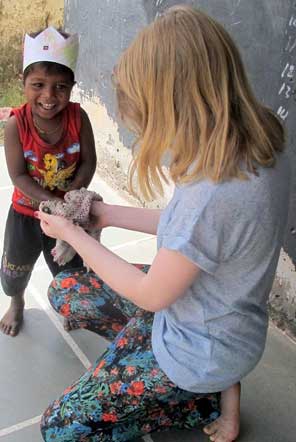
(47, 94)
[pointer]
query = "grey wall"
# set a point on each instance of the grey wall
(265, 31)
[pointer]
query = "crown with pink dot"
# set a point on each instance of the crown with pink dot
(50, 45)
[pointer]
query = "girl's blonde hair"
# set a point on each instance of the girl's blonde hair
(182, 88)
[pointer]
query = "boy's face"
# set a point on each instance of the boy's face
(48, 94)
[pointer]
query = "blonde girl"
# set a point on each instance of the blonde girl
(194, 323)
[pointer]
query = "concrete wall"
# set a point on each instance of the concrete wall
(265, 32)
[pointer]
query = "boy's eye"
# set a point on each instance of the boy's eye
(62, 86)
(37, 85)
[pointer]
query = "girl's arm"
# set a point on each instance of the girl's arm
(88, 157)
(16, 165)
(169, 276)
(131, 218)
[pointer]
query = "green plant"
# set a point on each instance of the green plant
(10, 57)
(11, 94)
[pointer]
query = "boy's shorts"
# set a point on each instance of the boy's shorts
(23, 243)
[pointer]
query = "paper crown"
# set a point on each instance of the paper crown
(50, 45)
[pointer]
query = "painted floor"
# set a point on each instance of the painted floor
(37, 365)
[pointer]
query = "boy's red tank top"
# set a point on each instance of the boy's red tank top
(52, 166)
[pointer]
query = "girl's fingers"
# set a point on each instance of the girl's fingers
(44, 216)
(41, 215)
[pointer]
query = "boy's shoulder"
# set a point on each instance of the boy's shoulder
(74, 110)
(21, 114)
(21, 109)
(74, 105)
(11, 124)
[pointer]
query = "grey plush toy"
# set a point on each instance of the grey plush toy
(75, 207)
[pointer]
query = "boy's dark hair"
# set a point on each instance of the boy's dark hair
(49, 66)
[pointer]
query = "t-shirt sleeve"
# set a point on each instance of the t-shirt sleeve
(197, 235)
(212, 227)
(206, 226)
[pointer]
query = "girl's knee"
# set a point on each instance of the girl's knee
(52, 295)
(56, 428)
(61, 291)
(58, 299)
(45, 425)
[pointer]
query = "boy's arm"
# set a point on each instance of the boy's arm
(16, 165)
(88, 157)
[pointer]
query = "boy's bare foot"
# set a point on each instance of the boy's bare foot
(12, 321)
(226, 427)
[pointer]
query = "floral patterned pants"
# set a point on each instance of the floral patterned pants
(125, 394)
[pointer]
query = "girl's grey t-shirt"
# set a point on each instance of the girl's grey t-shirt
(215, 333)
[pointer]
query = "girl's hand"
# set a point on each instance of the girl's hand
(55, 226)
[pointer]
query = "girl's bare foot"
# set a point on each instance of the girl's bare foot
(12, 321)
(223, 429)
(226, 427)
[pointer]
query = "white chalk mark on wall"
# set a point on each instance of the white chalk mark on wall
(282, 113)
